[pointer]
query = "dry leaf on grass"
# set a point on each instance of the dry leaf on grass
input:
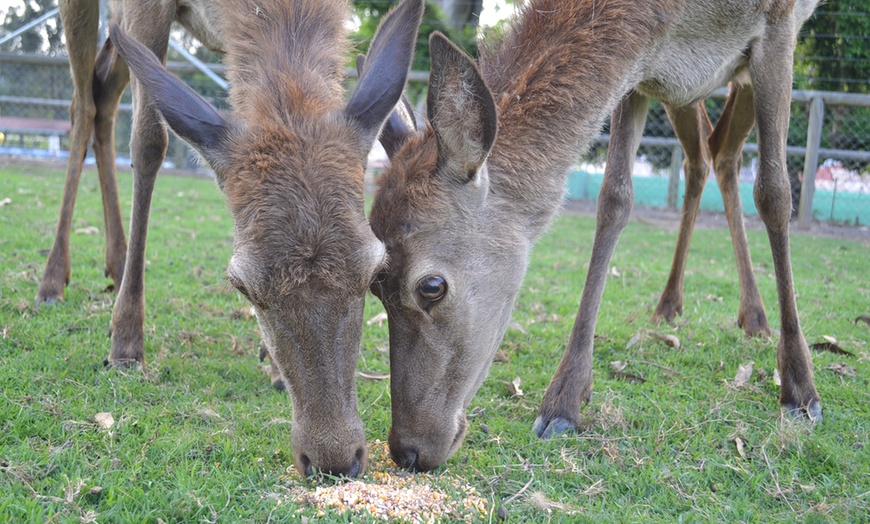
(668, 339)
(208, 413)
(519, 327)
(863, 318)
(501, 356)
(618, 365)
(90, 230)
(513, 387)
(5, 201)
(739, 442)
(633, 340)
(104, 420)
(614, 272)
(744, 372)
(628, 377)
(377, 319)
(373, 376)
(830, 344)
(776, 378)
(842, 369)
(540, 501)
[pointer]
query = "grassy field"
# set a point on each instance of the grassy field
(201, 436)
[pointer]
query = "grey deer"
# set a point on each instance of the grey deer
(290, 159)
(464, 199)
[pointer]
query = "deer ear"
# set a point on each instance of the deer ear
(401, 123)
(383, 72)
(461, 109)
(191, 117)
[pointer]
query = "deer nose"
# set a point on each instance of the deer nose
(405, 457)
(354, 469)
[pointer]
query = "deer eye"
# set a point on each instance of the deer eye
(238, 284)
(431, 290)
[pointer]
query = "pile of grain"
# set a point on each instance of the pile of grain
(388, 493)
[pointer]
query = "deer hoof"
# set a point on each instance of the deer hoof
(667, 312)
(547, 428)
(49, 296)
(811, 411)
(123, 363)
(47, 300)
(754, 323)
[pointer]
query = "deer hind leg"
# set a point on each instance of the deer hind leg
(148, 143)
(771, 69)
(692, 127)
(571, 385)
(110, 79)
(726, 145)
(80, 23)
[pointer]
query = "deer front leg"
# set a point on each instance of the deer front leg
(771, 70)
(80, 23)
(571, 385)
(726, 145)
(148, 145)
(110, 78)
(692, 127)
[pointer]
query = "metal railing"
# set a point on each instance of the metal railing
(813, 107)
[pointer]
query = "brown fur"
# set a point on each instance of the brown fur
(289, 157)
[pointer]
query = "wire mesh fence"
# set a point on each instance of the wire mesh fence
(37, 89)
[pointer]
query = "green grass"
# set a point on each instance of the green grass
(202, 437)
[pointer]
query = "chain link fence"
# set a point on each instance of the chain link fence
(35, 91)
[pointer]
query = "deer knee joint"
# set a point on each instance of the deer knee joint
(773, 200)
(614, 207)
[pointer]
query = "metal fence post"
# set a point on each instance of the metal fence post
(811, 162)
(674, 177)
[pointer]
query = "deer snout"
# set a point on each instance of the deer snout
(337, 447)
(415, 452)
(351, 466)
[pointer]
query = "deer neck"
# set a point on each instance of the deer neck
(556, 75)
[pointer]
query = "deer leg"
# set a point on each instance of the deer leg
(80, 23)
(110, 79)
(692, 127)
(571, 385)
(726, 145)
(770, 65)
(148, 145)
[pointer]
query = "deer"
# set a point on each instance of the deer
(289, 157)
(466, 196)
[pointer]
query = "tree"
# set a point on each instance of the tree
(45, 37)
(461, 13)
(832, 53)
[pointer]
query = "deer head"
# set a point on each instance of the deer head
(456, 261)
(291, 166)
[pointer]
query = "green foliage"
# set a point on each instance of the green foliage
(833, 54)
(202, 436)
(47, 38)
(370, 12)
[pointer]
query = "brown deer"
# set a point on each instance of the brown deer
(459, 209)
(289, 157)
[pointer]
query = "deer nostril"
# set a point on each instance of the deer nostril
(407, 458)
(356, 467)
(307, 471)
